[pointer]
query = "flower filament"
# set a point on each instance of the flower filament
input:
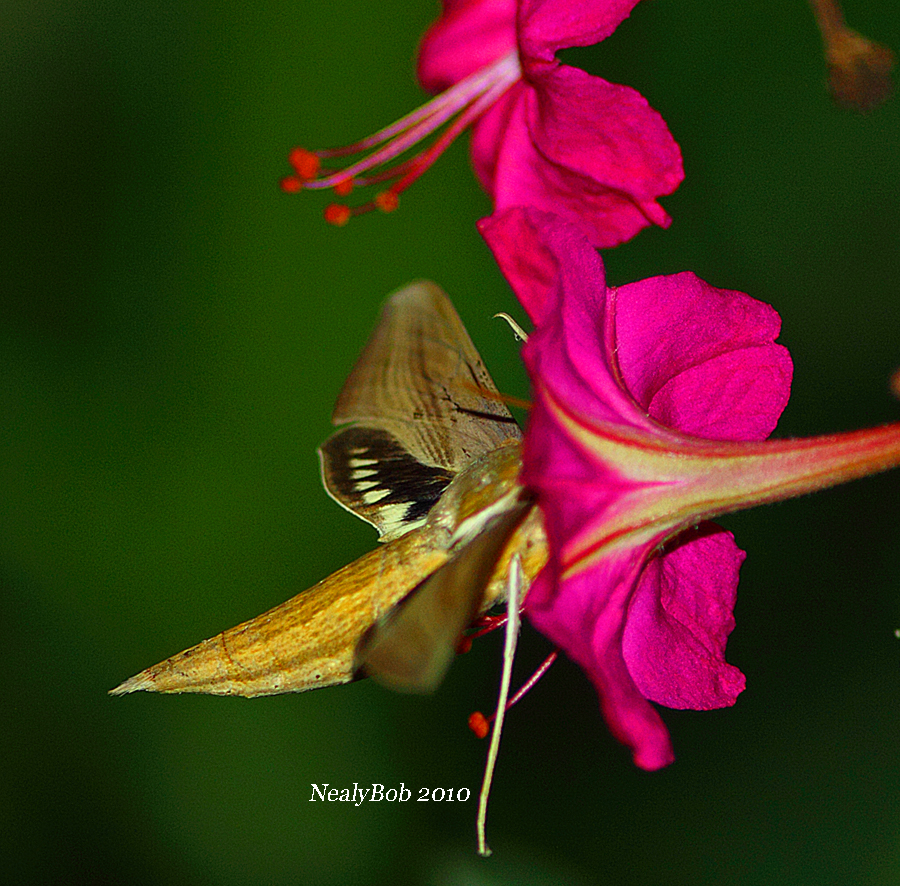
(459, 106)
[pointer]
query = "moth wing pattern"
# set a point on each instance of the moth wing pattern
(419, 405)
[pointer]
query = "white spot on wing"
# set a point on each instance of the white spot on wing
(373, 496)
(392, 519)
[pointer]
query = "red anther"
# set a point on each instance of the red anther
(306, 163)
(478, 723)
(379, 158)
(337, 214)
(387, 201)
(344, 188)
(464, 645)
(290, 184)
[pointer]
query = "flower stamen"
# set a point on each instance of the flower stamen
(459, 106)
(480, 725)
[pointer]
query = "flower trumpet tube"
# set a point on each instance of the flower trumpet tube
(652, 404)
(544, 134)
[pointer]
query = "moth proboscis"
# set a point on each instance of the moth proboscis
(430, 456)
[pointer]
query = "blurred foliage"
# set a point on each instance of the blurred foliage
(173, 332)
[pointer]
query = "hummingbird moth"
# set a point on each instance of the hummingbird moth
(429, 455)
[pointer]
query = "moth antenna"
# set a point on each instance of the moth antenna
(518, 332)
(513, 602)
(509, 400)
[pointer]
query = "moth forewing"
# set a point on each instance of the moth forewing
(420, 369)
(308, 642)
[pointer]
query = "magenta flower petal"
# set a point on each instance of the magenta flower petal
(650, 405)
(544, 134)
(702, 359)
(603, 139)
(679, 620)
(493, 131)
(469, 35)
(698, 359)
(559, 279)
(591, 152)
(532, 249)
(548, 25)
(572, 491)
(739, 395)
(584, 615)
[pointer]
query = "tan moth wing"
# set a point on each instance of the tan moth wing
(307, 642)
(420, 406)
(431, 458)
(423, 410)
(411, 648)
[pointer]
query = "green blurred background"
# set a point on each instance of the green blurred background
(173, 333)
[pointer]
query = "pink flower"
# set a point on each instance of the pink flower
(543, 134)
(651, 405)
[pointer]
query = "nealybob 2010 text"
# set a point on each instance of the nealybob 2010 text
(377, 792)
